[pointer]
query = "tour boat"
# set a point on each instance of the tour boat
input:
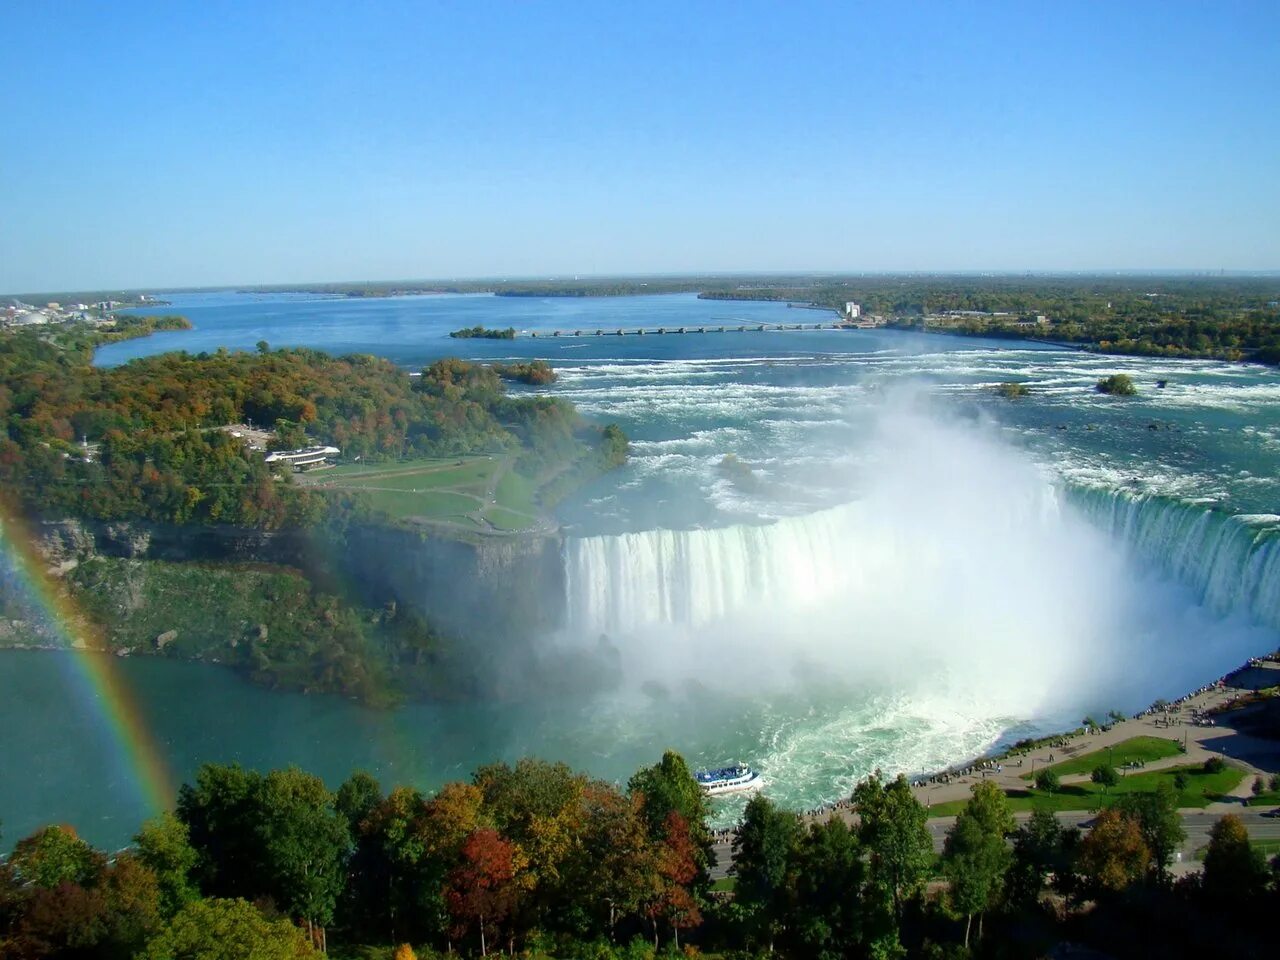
(733, 779)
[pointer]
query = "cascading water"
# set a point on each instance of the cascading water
(696, 577)
(1231, 562)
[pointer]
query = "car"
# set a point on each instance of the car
(1273, 812)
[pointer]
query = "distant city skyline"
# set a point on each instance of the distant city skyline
(160, 146)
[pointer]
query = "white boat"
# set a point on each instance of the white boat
(735, 779)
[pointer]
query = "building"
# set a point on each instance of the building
(306, 458)
(853, 310)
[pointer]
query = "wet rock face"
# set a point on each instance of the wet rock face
(490, 590)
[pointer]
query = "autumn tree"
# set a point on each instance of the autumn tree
(678, 870)
(1113, 854)
(669, 787)
(1234, 871)
(616, 865)
(1156, 813)
(482, 889)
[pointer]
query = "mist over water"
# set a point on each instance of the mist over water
(959, 599)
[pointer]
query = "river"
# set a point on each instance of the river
(912, 569)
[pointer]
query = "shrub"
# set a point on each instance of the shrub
(1117, 385)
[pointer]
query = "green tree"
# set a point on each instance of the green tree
(1118, 385)
(892, 828)
(305, 844)
(220, 812)
(829, 878)
(1105, 776)
(54, 856)
(1048, 781)
(163, 845)
(357, 797)
(763, 852)
(975, 856)
(227, 930)
(1037, 853)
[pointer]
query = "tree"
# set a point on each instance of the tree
(1113, 854)
(1011, 390)
(1233, 870)
(616, 864)
(357, 797)
(1105, 776)
(482, 889)
(1157, 815)
(226, 930)
(305, 844)
(1048, 780)
(164, 846)
(1118, 385)
(54, 856)
(763, 852)
(892, 829)
(669, 787)
(829, 876)
(975, 856)
(1037, 852)
(678, 870)
(220, 814)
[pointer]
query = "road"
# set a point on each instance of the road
(1197, 823)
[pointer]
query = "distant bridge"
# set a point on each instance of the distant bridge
(669, 331)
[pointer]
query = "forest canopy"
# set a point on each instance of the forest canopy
(145, 440)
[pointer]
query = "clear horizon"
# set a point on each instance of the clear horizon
(238, 144)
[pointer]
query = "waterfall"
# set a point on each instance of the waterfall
(615, 584)
(618, 583)
(1230, 561)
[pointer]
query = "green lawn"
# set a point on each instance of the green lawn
(516, 492)
(435, 504)
(444, 489)
(506, 519)
(1133, 750)
(1268, 798)
(724, 885)
(1202, 789)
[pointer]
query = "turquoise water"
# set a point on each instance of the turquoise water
(915, 570)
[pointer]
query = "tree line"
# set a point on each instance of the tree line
(142, 440)
(537, 859)
(1233, 318)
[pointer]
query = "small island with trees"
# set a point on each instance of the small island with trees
(484, 333)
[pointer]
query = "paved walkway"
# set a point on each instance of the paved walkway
(1202, 742)
(1254, 755)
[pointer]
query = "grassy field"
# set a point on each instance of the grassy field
(1133, 750)
(1201, 790)
(474, 493)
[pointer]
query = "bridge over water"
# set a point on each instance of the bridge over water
(670, 331)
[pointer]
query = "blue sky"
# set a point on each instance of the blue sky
(223, 143)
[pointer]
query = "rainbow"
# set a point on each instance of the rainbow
(94, 675)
